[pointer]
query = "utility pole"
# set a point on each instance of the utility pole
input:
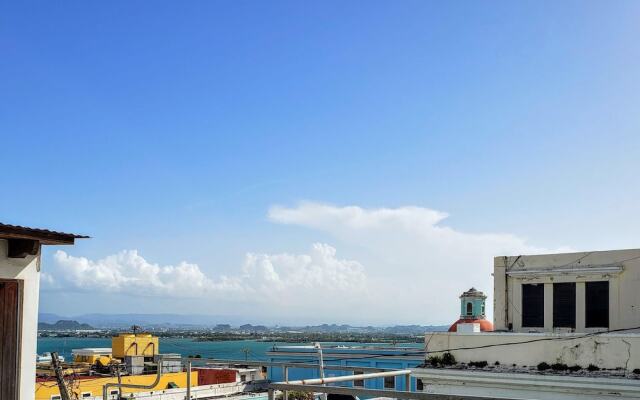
(57, 369)
(246, 352)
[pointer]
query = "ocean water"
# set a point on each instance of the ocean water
(225, 350)
(234, 349)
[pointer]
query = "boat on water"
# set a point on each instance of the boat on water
(133, 368)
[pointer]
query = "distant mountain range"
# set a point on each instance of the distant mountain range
(222, 323)
(64, 325)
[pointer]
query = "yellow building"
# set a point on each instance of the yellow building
(129, 344)
(92, 355)
(92, 387)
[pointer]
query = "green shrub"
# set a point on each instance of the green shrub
(440, 361)
(448, 359)
(296, 395)
(592, 368)
(435, 361)
(478, 364)
(575, 368)
(559, 367)
(543, 366)
(636, 371)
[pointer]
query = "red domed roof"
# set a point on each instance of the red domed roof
(485, 326)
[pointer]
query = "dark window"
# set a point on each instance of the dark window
(243, 378)
(469, 309)
(533, 305)
(389, 382)
(419, 385)
(360, 382)
(597, 304)
(564, 305)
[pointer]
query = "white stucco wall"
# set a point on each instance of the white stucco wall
(26, 270)
(608, 350)
(620, 267)
(524, 386)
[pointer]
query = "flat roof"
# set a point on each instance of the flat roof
(91, 351)
(44, 236)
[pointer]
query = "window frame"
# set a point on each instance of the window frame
(358, 382)
(388, 385)
(588, 305)
(529, 319)
(560, 320)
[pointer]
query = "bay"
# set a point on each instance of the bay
(230, 350)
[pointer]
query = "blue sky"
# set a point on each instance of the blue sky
(174, 128)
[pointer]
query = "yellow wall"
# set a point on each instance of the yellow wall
(127, 344)
(91, 359)
(44, 390)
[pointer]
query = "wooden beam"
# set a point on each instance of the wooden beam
(20, 248)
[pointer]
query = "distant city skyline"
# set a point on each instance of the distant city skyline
(295, 162)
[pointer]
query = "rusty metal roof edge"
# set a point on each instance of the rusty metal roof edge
(39, 232)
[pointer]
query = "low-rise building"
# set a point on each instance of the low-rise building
(20, 250)
(383, 357)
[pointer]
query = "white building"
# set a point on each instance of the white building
(575, 310)
(19, 292)
(571, 292)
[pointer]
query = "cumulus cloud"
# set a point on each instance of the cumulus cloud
(417, 266)
(275, 277)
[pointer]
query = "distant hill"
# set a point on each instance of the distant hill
(221, 324)
(64, 325)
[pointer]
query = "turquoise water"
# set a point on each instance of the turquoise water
(185, 347)
(223, 350)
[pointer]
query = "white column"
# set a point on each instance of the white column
(548, 307)
(580, 307)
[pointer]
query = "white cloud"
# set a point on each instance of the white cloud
(416, 265)
(271, 279)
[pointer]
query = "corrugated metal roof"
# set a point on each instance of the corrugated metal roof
(44, 236)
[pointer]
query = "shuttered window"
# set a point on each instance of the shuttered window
(533, 305)
(564, 305)
(10, 299)
(597, 304)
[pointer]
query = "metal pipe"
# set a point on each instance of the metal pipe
(189, 380)
(378, 393)
(321, 366)
(286, 378)
(347, 378)
(407, 383)
(106, 387)
(294, 364)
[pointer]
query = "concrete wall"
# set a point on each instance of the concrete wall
(608, 350)
(26, 270)
(620, 267)
(524, 386)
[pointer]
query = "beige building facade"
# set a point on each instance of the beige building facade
(571, 292)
